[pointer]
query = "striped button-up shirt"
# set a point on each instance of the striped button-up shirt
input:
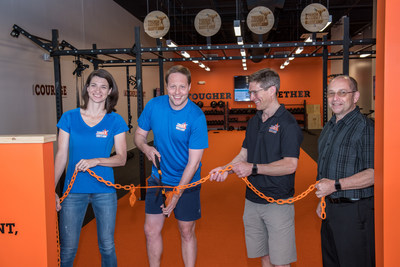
(346, 148)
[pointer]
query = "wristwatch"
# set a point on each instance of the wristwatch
(254, 171)
(338, 186)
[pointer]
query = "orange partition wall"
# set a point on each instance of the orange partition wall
(27, 210)
(387, 142)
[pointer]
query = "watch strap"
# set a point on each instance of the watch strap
(338, 186)
(254, 170)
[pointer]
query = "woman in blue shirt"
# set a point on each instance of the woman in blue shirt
(86, 138)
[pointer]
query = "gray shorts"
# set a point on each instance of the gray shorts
(269, 230)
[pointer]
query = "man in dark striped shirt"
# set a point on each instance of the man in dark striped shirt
(346, 179)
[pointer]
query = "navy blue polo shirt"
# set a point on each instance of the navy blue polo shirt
(278, 137)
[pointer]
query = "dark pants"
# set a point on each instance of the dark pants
(348, 234)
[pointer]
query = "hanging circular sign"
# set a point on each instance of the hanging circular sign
(156, 24)
(314, 17)
(260, 20)
(207, 22)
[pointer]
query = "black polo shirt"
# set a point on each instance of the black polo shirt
(278, 137)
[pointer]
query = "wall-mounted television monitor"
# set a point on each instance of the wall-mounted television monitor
(241, 88)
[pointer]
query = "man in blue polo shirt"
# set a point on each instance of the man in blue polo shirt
(180, 137)
(268, 158)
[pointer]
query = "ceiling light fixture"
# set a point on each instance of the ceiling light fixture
(236, 27)
(327, 24)
(185, 54)
(291, 58)
(308, 40)
(299, 50)
(282, 67)
(286, 62)
(242, 52)
(202, 65)
(171, 43)
(195, 61)
(240, 40)
(365, 55)
(207, 69)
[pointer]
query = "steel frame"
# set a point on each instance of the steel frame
(57, 50)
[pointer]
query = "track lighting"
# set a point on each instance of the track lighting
(236, 27)
(185, 54)
(171, 43)
(327, 24)
(299, 50)
(14, 33)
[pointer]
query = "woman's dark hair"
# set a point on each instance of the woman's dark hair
(112, 98)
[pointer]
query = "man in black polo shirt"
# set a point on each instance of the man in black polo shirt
(346, 175)
(268, 157)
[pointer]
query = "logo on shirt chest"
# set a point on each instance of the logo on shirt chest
(274, 128)
(102, 134)
(181, 126)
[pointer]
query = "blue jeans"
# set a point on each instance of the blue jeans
(71, 219)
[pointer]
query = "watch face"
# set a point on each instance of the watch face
(254, 171)
(338, 185)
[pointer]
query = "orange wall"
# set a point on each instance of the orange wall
(387, 129)
(378, 183)
(302, 74)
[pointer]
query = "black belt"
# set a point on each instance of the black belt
(344, 199)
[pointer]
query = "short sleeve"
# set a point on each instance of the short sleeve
(144, 121)
(291, 141)
(199, 134)
(65, 122)
(120, 125)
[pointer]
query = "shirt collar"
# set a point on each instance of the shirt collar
(348, 118)
(279, 112)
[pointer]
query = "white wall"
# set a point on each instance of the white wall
(360, 69)
(79, 22)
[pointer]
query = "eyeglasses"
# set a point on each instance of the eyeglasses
(255, 92)
(341, 93)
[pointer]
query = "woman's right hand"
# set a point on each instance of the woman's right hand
(58, 205)
(216, 175)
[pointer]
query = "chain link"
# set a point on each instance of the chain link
(176, 190)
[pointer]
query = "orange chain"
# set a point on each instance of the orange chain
(177, 189)
(289, 200)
